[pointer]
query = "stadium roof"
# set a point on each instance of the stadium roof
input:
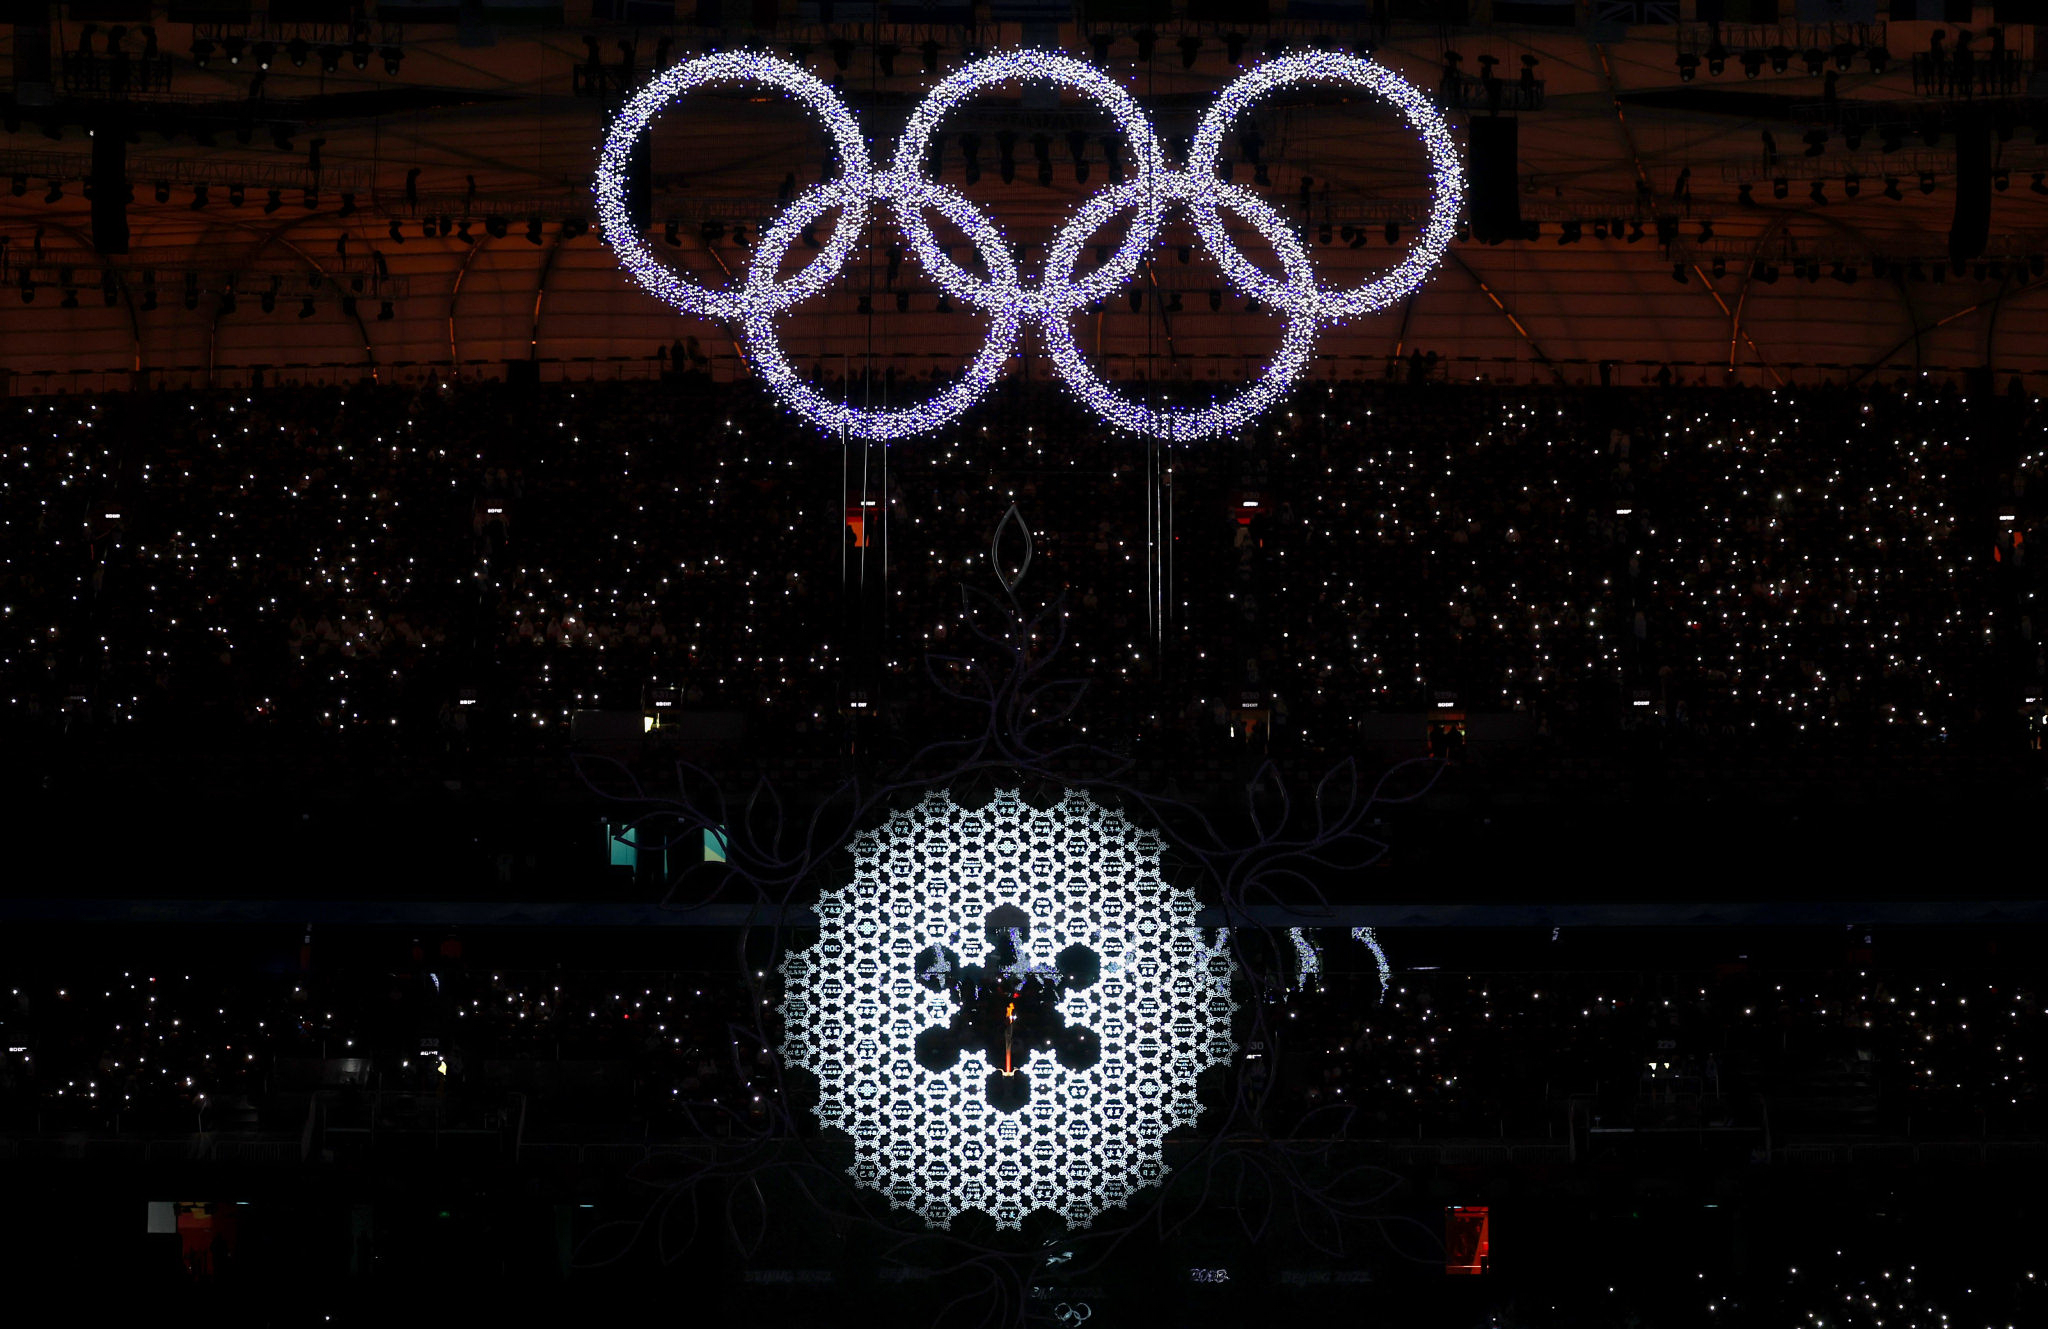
(1617, 125)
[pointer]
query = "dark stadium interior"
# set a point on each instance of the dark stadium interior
(1637, 948)
(457, 739)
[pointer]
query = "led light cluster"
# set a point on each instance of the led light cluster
(1083, 1140)
(1371, 941)
(1060, 294)
(1308, 958)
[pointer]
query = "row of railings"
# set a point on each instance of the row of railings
(289, 1151)
(1498, 370)
(210, 1147)
(1928, 1153)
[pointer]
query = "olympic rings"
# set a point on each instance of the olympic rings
(1297, 296)
(1066, 72)
(639, 112)
(1446, 171)
(917, 194)
(1147, 192)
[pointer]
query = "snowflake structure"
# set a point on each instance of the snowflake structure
(1069, 904)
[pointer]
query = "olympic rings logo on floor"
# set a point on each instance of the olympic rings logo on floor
(1147, 192)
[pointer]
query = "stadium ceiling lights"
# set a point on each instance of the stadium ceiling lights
(1146, 192)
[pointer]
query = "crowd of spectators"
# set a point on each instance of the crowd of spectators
(1942, 1052)
(457, 568)
(1844, 1054)
(173, 1052)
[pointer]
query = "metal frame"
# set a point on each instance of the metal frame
(188, 171)
(1798, 38)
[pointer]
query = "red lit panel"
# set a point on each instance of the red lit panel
(1465, 1239)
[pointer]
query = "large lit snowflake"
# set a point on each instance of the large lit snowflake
(1007, 1009)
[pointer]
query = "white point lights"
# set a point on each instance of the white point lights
(1084, 1139)
(1059, 296)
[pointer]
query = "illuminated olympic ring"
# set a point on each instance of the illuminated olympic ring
(762, 296)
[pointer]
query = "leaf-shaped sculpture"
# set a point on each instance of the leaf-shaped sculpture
(1013, 525)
